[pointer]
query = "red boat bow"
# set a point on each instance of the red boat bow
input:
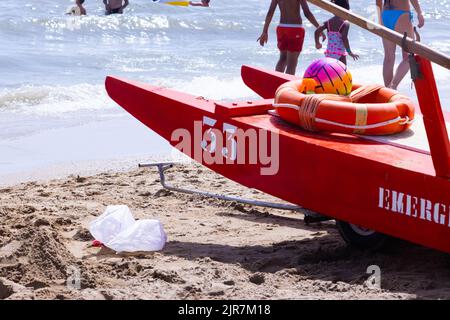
(382, 187)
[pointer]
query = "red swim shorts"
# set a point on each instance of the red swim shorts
(290, 38)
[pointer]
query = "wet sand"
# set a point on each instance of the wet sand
(215, 249)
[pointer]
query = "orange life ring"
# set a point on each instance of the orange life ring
(369, 110)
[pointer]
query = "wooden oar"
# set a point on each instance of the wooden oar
(407, 43)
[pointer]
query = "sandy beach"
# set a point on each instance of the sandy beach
(215, 249)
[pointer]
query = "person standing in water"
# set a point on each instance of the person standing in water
(79, 4)
(396, 15)
(115, 6)
(290, 32)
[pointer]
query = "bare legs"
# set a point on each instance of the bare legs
(292, 60)
(287, 62)
(343, 59)
(389, 62)
(282, 62)
(402, 70)
(391, 79)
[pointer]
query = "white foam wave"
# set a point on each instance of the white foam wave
(52, 100)
(373, 74)
(212, 87)
(57, 100)
(123, 23)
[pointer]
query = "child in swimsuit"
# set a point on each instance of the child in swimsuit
(337, 29)
(290, 32)
(115, 6)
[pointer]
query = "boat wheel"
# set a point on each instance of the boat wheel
(360, 237)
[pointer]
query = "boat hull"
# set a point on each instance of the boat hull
(391, 190)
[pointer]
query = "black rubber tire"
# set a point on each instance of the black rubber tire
(373, 242)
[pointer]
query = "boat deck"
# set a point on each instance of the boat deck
(408, 150)
(414, 139)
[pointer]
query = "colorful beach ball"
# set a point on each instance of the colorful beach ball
(331, 76)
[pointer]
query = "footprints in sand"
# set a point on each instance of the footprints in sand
(79, 179)
(167, 276)
(83, 234)
(38, 222)
(12, 290)
(257, 278)
(43, 193)
(163, 193)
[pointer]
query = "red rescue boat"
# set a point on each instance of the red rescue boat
(373, 186)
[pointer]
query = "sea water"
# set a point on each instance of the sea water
(53, 105)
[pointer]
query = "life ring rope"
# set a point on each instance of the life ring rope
(361, 92)
(399, 120)
(286, 105)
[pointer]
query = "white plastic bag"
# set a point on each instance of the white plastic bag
(117, 229)
(113, 221)
(144, 235)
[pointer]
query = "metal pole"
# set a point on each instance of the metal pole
(162, 167)
(309, 216)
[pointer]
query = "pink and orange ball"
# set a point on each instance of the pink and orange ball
(331, 76)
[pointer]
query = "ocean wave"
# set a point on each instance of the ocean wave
(212, 87)
(53, 100)
(117, 24)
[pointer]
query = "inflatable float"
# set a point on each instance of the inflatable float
(370, 110)
(327, 100)
(173, 2)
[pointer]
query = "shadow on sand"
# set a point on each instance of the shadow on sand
(405, 267)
